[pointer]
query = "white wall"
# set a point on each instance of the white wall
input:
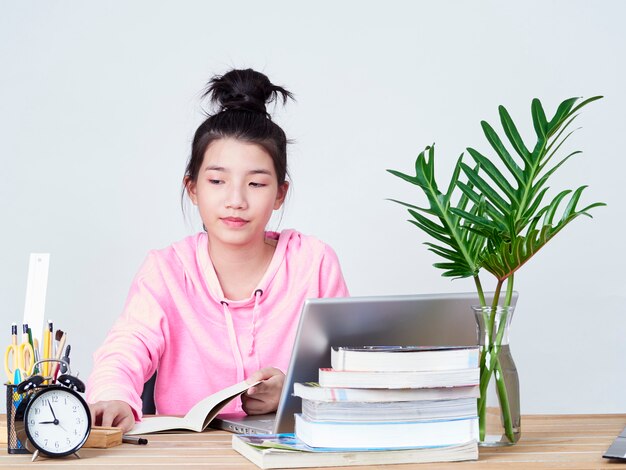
(99, 100)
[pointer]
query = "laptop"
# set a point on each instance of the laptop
(618, 448)
(401, 320)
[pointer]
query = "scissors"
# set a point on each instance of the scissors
(18, 357)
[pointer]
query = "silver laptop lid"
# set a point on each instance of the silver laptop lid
(424, 319)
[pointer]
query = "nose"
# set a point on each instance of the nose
(236, 198)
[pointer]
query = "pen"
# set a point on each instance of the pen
(47, 348)
(34, 345)
(142, 441)
(66, 359)
(25, 340)
(60, 337)
(10, 356)
(50, 353)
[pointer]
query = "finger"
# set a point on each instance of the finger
(259, 389)
(126, 422)
(252, 405)
(264, 374)
(108, 416)
(94, 411)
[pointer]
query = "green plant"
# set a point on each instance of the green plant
(494, 217)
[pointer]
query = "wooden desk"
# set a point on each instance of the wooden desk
(548, 442)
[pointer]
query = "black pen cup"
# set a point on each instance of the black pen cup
(14, 445)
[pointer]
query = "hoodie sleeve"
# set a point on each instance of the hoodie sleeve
(131, 350)
(331, 280)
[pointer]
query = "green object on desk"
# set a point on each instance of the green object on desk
(496, 218)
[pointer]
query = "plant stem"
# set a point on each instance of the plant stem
(482, 416)
(479, 289)
(487, 369)
(502, 391)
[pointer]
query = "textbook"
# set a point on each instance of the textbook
(313, 391)
(389, 410)
(402, 379)
(286, 451)
(386, 435)
(197, 418)
(404, 358)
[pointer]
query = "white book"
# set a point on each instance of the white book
(385, 435)
(281, 458)
(197, 418)
(313, 391)
(403, 379)
(389, 410)
(404, 358)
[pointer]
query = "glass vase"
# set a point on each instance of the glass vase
(498, 405)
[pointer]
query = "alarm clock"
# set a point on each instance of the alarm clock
(53, 420)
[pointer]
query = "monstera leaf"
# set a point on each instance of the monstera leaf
(459, 247)
(516, 222)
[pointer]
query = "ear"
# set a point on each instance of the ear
(281, 194)
(190, 187)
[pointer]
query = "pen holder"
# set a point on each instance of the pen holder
(14, 446)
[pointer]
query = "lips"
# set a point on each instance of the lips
(234, 222)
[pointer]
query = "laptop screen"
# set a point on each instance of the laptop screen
(407, 320)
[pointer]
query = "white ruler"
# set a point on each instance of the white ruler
(36, 288)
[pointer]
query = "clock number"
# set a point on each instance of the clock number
(36, 433)
(55, 399)
(79, 420)
(56, 444)
(45, 442)
(75, 408)
(31, 421)
(67, 440)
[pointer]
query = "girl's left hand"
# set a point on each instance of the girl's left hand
(263, 397)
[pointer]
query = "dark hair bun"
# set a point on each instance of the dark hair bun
(247, 90)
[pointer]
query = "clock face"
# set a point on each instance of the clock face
(57, 421)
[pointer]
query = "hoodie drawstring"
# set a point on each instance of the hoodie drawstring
(255, 315)
(232, 335)
(233, 341)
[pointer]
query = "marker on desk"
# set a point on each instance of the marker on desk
(142, 441)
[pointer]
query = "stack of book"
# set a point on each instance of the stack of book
(380, 405)
(392, 398)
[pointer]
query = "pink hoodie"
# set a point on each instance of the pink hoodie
(177, 319)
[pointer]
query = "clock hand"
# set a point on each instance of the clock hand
(46, 422)
(56, 421)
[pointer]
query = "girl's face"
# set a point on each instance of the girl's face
(236, 192)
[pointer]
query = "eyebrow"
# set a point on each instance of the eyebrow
(259, 171)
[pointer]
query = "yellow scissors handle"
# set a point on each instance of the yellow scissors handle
(25, 359)
(10, 361)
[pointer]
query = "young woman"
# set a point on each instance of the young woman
(223, 305)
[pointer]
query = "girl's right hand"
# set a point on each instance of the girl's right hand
(115, 413)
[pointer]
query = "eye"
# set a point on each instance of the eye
(257, 185)
(212, 181)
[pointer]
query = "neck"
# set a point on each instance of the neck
(240, 268)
